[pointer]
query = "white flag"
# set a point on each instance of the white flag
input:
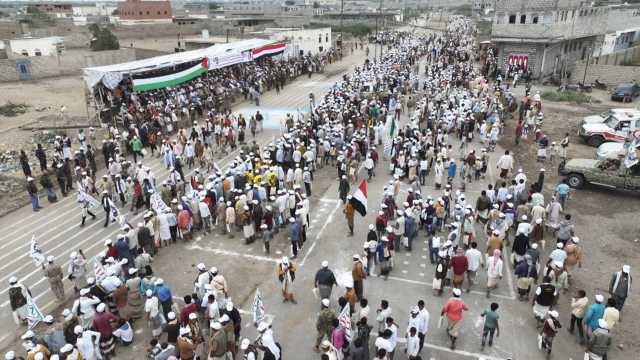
(33, 313)
(258, 308)
(35, 252)
(345, 321)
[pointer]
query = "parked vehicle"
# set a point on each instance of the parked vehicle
(611, 173)
(619, 113)
(613, 150)
(625, 92)
(615, 128)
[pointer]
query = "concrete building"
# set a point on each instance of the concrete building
(27, 47)
(97, 9)
(481, 7)
(145, 10)
(623, 29)
(56, 10)
(547, 36)
(301, 41)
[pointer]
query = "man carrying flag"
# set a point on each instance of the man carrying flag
(359, 199)
(356, 202)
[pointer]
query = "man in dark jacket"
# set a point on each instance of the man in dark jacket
(42, 157)
(600, 340)
(325, 280)
(106, 205)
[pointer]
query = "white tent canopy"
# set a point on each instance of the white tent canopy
(111, 75)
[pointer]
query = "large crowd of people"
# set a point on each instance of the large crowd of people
(265, 191)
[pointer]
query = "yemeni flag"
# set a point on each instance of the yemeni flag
(359, 199)
(271, 49)
(171, 80)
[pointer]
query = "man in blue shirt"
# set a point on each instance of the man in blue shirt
(294, 236)
(594, 313)
(165, 297)
(563, 191)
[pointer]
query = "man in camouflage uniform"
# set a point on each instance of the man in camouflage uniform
(324, 323)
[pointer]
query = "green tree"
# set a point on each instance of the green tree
(103, 39)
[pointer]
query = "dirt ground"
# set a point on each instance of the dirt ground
(605, 219)
(44, 99)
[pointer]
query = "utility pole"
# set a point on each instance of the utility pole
(586, 66)
(382, 28)
(341, 25)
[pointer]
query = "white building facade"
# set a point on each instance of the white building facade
(302, 41)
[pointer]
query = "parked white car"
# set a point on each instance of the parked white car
(619, 113)
(613, 150)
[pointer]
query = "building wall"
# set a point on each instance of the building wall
(70, 63)
(623, 17)
(611, 75)
(10, 29)
(545, 19)
(546, 59)
(309, 40)
(36, 47)
(145, 10)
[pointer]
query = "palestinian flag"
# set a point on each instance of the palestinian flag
(359, 199)
(392, 127)
(271, 49)
(171, 80)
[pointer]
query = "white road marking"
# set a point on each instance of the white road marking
(459, 352)
(333, 201)
(27, 233)
(329, 219)
(226, 161)
(218, 251)
(416, 282)
(509, 277)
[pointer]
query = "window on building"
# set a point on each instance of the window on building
(523, 19)
(573, 14)
(512, 19)
(499, 18)
(24, 53)
(158, 12)
(534, 19)
(320, 39)
(140, 13)
(165, 12)
(326, 38)
(38, 52)
(147, 13)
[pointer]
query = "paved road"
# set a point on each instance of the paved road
(56, 227)
(247, 267)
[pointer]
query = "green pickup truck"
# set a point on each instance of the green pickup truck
(608, 172)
